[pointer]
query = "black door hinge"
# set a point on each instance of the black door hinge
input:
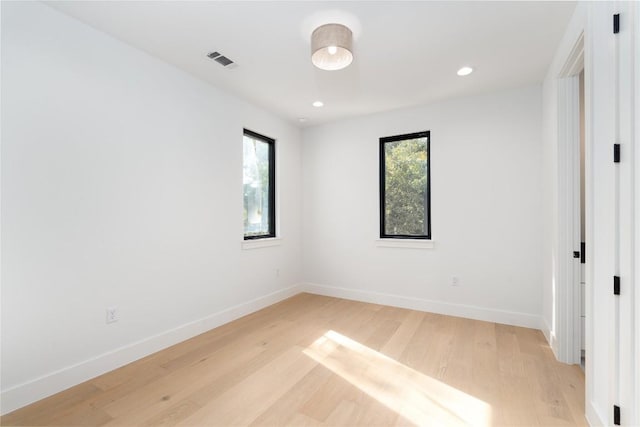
(583, 257)
(616, 153)
(616, 285)
(616, 23)
(616, 415)
(576, 254)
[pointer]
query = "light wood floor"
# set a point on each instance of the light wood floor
(313, 360)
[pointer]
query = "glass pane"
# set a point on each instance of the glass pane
(256, 186)
(406, 197)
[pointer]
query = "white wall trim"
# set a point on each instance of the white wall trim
(593, 417)
(405, 243)
(467, 311)
(628, 368)
(54, 382)
(550, 336)
(261, 243)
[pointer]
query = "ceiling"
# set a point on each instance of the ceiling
(405, 53)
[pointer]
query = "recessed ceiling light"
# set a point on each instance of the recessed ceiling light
(318, 104)
(465, 71)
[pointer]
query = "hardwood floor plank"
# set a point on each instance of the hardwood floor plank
(485, 363)
(244, 402)
(82, 415)
(572, 386)
(323, 402)
(173, 415)
(396, 345)
(156, 397)
(285, 410)
(45, 411)
(549, 401)
(422, 342)
(460, 363)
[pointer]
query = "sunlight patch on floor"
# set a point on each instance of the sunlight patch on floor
(416, 397)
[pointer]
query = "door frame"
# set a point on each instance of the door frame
(568, 201)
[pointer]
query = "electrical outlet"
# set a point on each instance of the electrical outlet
(112, 314)
(455, 281)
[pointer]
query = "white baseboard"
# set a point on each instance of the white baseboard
(593, 417)
(468, 311)
(54, 382)
(550, 336)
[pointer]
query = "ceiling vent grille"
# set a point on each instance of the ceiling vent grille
(220, 59)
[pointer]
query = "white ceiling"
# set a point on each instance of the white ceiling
(406, 53)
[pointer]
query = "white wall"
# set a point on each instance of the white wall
(121, 185)
(486, 207)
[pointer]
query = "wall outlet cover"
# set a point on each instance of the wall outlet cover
(112, 314)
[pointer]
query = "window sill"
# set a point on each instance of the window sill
(405, 243)
(261, 243)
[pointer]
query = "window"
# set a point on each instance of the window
(259, 179)
(405, 184)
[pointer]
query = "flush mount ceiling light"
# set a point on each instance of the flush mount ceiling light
(465, 71)
(318, 104)
(331, 46)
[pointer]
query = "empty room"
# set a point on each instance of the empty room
(233, 213)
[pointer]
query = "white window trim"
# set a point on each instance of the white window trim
(406, 243)
(261, 243)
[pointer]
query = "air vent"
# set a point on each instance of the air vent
(223, 60)
(220, 59)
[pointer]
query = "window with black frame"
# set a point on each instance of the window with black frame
(405, 186)
(258, 181)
